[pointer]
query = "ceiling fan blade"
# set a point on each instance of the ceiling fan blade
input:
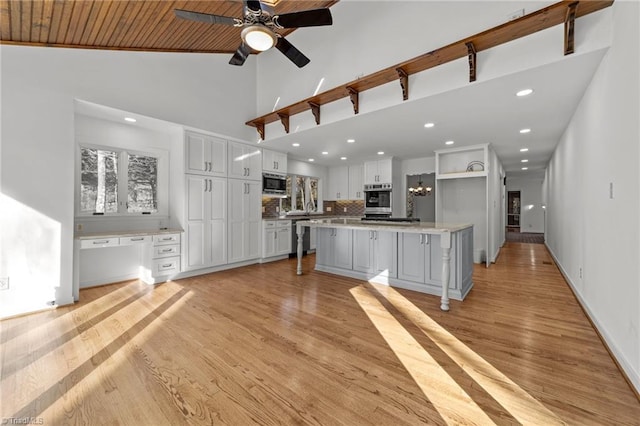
(306, 18)
(291, 52)
(241, 55)
(204, 17)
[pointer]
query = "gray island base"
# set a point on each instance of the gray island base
(431, 258)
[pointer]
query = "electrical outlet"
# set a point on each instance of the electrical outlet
(79, 227)
(328, 209)
(264, 209)
(345, 209)
(4, 283)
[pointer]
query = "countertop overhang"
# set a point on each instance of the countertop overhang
(414, 227)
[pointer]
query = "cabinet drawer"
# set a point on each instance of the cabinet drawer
(141, 239)
(166, 239)
(168, 266)
(99, 242)
(284, 224)
(166, 251)
(268, 224)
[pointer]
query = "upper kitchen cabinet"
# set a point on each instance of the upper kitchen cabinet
(338, 183)
(356, 182)
(379, 171)
(206, 155)
(245, 161)
(274, 162)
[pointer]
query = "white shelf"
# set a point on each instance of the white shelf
(462, 175)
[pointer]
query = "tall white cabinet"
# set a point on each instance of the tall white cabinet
(244, 161)
(205, 154)
(245, 220)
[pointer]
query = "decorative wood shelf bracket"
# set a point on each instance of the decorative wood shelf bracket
(284, 118)
(315, 110)
(404, 83)
(260, 129)
(353, 94)
(471, 51)
(569, 23)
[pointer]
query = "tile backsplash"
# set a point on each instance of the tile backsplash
(271, 205)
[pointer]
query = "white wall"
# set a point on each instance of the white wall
(531, 211)
(39, 86)
(595, 238)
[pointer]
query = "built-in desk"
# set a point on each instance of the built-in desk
(160, 252)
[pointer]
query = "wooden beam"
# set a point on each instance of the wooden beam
(404, 83)
(284, 118)
(529, 24)
(355, 99)
(471, 52)
(569, 23)
(315, 110)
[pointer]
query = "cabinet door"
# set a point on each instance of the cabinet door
(385, 253)
(283, 240)
(269, 242)
(206, 154)
(324, 249)
(236, 165)
(253, 162)
(356, 182)
(217, 219)
(384, 170)
(411, 254)
(338, 183)
(196, 234)
(362, 250)
(371, 172)
(237, 190)
(253, 201)
(217, 156)
(281, 162)
(343, 248)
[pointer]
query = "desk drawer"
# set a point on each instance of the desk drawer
(166, 251)
(166, 239)
(99, 242)
(141, 239)
(168, 266)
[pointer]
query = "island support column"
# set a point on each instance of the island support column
(445, 244)
(300, 232)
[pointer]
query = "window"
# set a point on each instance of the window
(109, 177)
(302, 194)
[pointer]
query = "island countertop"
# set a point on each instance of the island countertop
(414, 227)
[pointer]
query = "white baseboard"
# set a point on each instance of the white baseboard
(632, 375)
(109, 280)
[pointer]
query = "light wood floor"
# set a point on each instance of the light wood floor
(262, 345)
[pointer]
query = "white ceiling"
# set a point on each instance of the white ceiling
(481, 112)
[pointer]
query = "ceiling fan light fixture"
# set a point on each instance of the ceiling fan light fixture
(258, 37)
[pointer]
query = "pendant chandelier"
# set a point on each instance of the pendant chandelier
(420, 190)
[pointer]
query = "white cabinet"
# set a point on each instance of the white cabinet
(334, 248)
(276, 238)
(376, 252)
(379, 171)
(274, 162)
(244, 220)
(356, 182)
(244, 161)
(165, 258)
(338, 183)
(420, 259)
(205, 154)
(206, 222)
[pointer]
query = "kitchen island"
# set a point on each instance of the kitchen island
(432, 258)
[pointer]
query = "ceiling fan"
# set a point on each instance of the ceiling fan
(259, 28)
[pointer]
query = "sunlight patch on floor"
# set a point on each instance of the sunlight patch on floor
(448, 398)
(522, 406)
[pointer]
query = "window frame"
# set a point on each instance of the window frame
(123, 181)
(307, 195)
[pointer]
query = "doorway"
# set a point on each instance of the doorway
(513, 211)
(421, 202)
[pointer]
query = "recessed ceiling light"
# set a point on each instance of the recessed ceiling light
(429, 125)
(525, 130)
(130, 120)
(295, 144)
(351, 140)
(524, 149)
(311, 160)
(343, 158)
(525, 168)
(380, 152)
(524, 92)
(524, 161)
(325, 153)
(449, 142)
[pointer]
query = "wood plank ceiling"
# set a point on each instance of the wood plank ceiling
(148, 25)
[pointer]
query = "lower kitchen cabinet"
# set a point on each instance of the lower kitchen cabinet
(276, 238)
(376, 252)
(420, 258)
(245, 220)
(334, 248)
(206, 222)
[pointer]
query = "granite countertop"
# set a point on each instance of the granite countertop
(310, 216)
(357, 223)
(113, 234)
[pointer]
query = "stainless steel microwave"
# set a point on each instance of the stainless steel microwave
(274, 184)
